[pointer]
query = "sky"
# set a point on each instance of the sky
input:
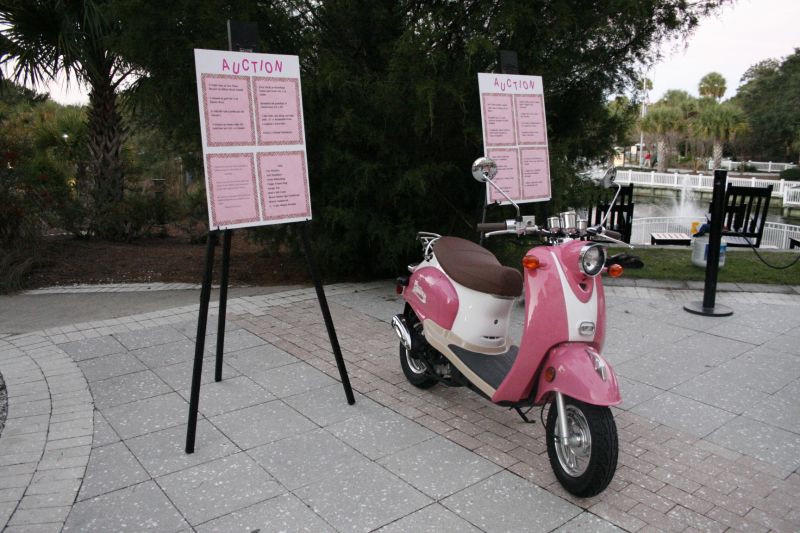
(730, 42)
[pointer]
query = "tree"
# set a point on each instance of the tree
(624, 112)
(665, 122)
(159, 38)
(38, 165)
(712, 85)
(770, 99)
(391, 102)
(720, 123)
(49, 37)
(763, 68)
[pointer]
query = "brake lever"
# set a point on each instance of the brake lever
(501, 232)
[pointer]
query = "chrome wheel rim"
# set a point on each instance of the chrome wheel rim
(416, 366)
(575, 451)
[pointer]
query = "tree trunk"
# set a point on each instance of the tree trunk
(717, 153)
(661, 151)
(105, 143)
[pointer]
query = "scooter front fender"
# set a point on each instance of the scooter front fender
(578, 375)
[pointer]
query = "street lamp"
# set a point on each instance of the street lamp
(644, 112)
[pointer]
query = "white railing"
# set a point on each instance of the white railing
(760, 166)
(776, 235)
(675, 180)
(643, 227)
(791, 196)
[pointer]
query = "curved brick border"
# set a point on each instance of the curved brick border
(46, 442)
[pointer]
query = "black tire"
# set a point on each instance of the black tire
(602, 452)
(417, 375)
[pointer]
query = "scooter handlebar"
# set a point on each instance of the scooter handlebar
(486, 227)
(613, 234)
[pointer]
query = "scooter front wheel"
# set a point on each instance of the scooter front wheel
(584, 463)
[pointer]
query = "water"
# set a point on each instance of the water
(689, 205)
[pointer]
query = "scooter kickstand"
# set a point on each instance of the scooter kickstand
(523, 415)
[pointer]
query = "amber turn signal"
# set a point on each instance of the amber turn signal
(615, 270)
(530, 262)
(549, 374)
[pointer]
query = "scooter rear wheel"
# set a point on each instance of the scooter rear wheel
(416, 371)
(586, 462)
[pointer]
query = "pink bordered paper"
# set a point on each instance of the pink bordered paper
(278, 116)
(284, 185)
(228, 104)
(529, 112)
(507, 177)
(498, 117)
(231, 189)
(535, 167)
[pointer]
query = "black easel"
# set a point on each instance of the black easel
(243, 36)
(709, 307)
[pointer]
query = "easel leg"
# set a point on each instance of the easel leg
(200, 342)
(326, 315)
(223, 301)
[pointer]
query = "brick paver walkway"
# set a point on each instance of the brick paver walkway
(708, 430)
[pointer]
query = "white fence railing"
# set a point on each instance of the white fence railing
(675, 180)
(791, 196)
(760, 166)
(776, 235)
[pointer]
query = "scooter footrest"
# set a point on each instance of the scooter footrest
(490, 368)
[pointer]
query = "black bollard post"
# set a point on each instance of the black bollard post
(709, 307)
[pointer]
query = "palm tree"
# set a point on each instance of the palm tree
(42, 39)
(720, 123)
(712, 85)
(688, 106)
(664, 122)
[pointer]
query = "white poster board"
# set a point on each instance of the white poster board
(515, 136)
(254, 149)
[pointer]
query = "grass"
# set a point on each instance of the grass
(741, 266)
(673, 263)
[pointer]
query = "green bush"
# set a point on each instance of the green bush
(791, 173)
(20, 230)
(193, 215)
(136, 216)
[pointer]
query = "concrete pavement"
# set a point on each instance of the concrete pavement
(97, 410)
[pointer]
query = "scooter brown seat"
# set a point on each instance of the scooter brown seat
(476, 267)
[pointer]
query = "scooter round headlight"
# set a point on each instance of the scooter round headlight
(592, 259)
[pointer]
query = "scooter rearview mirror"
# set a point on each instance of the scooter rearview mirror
(609, 177)
(484, 168)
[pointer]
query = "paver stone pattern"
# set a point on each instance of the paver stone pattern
(97, 419)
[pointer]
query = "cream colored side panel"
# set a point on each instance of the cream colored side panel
(440, 339)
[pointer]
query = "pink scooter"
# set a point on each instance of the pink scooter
(455, 330)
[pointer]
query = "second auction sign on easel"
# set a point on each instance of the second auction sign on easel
(515, 136)
(254, 149)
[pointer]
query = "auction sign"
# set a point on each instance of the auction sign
(254, 149)
(515, 136)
